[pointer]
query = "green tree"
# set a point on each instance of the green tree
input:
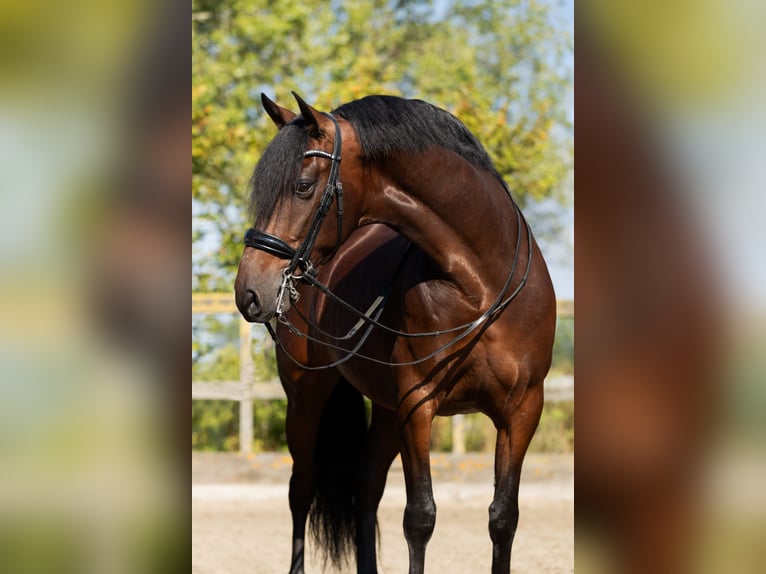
(499, 65)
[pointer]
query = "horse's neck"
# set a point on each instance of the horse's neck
(458, 214)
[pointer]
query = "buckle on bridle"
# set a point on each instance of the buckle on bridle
(287, 286)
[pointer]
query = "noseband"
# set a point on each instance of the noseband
(275, 246)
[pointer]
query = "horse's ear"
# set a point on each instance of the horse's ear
(279, 115)
(313, 117)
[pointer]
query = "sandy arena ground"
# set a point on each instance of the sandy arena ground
(241, 522)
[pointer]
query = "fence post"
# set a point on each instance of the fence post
(458, 434)
(246, 372)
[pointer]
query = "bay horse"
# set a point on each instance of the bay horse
(423, 289)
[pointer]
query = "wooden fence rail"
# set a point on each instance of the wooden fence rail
(247, 389)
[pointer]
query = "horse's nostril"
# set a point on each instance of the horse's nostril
(253, 306)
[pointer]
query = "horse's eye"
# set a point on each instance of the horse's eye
(305, 188)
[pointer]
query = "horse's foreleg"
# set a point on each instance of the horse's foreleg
(299, 486)
(420, 512)
(302, 425)
(513, 438)
(382, 447)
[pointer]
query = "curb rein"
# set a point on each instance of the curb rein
(299, 258)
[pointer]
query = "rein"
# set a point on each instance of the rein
(299, 258)
(374, 312)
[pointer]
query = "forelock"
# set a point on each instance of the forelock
(277, 171)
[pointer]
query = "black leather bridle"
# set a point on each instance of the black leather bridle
(300, 258)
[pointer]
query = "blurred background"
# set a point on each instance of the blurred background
(671, 136)
(94, 266)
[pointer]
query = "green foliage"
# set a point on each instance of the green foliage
(215, 425)
(214, 354)
(499, 65)
(556, 430)
(479, 433)
(441, 434)
(265, 359)
(554, 434)
(269, 425)
(215, 357)
(563, 347)
(222, 364)
(215, 351)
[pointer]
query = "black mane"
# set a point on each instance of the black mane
(385, 125)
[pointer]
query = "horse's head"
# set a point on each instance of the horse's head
(298, 199)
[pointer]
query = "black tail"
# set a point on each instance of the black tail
(340, 445)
